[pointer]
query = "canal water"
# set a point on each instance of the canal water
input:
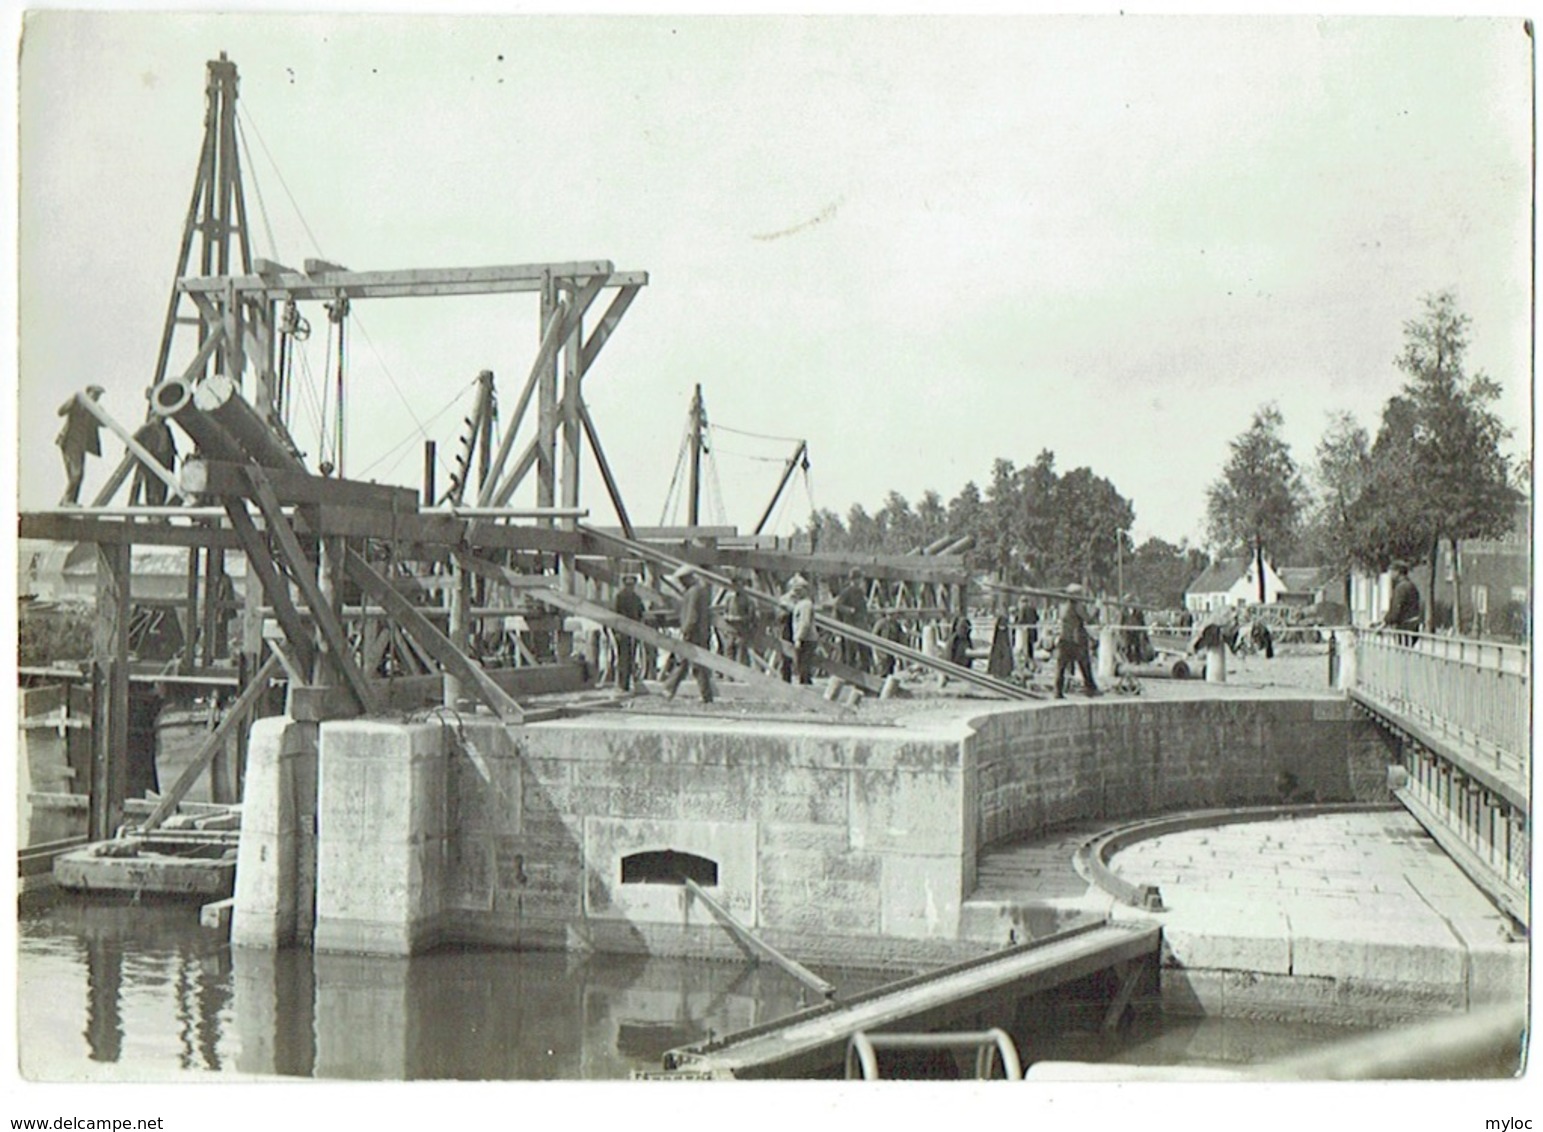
(144, 992)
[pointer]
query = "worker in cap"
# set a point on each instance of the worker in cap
(696, 627)
(1405, 611)
(1071, 649)
(801, 630)
(80, 437)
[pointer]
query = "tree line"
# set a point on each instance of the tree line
(1433, 472)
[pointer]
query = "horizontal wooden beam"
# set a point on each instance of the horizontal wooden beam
(672, 534)
(68, 528)
(421, 282)
(221, 478)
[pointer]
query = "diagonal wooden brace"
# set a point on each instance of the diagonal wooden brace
(322, 613)
(273, 582)
(431, 640)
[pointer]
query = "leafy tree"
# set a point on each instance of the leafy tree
(1259, 499)
(1437, 468)
(1092, 522)
(1342, 472)
(1159, 572)
(964, 511)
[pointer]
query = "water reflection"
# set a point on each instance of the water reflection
(159, 995)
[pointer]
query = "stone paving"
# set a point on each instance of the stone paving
(1345, 918)
(1353, 916)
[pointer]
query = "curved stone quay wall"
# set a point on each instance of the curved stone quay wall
(837, 843)
(1038, 769)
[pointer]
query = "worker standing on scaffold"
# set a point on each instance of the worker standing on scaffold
(80, 437)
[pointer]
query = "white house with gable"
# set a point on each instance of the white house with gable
(1229, 581)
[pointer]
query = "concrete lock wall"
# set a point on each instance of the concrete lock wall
(837, 843)
(1036, 770)
(832, 839)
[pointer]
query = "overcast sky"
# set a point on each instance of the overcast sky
(919, 243)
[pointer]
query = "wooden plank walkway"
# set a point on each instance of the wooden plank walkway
(811, 1040)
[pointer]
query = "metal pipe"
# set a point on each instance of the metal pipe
(219, 398)
(173, 398)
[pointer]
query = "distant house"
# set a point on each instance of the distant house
(1228, 581)
(1310, 585)
(1495, 576)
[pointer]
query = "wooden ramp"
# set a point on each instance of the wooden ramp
(805, 1043)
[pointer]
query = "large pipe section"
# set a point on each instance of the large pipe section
(222, 423)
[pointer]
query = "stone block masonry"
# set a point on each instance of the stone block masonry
(838, 843)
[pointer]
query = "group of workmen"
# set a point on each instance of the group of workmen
(741, 621)
(739, 626)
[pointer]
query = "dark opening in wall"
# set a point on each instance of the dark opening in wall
(666, 866)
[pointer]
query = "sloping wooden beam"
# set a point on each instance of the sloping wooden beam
(158, 469)
(608, 322)
(803, 694)
(211, 745)
(557, 331)
(829, 624)
(611, 487)
(435, 643)
(758, 946)
(273, 583)
(322, 613)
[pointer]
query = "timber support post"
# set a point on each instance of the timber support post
(110, 688)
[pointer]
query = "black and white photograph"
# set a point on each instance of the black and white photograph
(895, 554)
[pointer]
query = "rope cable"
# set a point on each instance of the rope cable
(315, 243)
(760, 435)
(257, 189)
(398, 449)
(391, 379)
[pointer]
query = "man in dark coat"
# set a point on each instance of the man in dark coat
(890, 629)
(80, 437)
(1028, 616)
(1071, 649)
(629, 604)
(696, 627)
(852, 609)
(959, 641)
(155, 437)
(1404, 608)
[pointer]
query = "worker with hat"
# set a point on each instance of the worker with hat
(629, 604)
(804, 634)
(1072, 647)
(696, 628)
(81, 436)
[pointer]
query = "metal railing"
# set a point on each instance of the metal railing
(989, 1046)
(1463, 711)
(1474, 696)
